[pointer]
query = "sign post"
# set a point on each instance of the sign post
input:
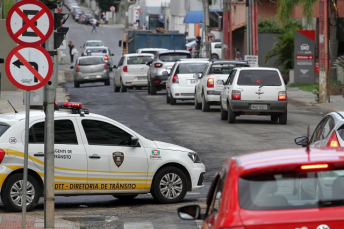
(28, 66)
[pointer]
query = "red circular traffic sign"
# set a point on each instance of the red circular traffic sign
(29, 68)
(29, 23)
(112, 9)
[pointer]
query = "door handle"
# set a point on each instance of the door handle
(39, 154)
(94, 156)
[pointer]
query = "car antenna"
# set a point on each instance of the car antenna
(307, 146)
(15, 111)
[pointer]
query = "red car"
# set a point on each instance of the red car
(280, 189)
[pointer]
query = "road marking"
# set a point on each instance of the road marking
(141, 225)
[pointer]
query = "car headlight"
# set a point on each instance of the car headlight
(194, 157)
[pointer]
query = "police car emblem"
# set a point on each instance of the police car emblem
(118, 158)
(323, 226)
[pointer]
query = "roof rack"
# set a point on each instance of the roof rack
(75, 108)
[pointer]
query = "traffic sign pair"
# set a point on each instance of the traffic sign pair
(29, 23)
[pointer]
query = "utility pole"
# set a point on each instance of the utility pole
(126, 14)
(254, 27)
(206, 26)
(225, 30)
(323, 53)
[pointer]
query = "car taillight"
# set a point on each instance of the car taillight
(105, 66)
(175, 79)
(210, 82)
(77, 69)
(315, 166)
(236, 95)
(333, 141)
(125, 69)
(2, 155)
(106, 57)
(282, 96)
(157, 65)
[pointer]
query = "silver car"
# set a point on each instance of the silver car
(89, 69)
(163, 61)
(328, 133)
(100, 51)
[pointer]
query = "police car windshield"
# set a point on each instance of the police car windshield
(187, 68)
(3, 129)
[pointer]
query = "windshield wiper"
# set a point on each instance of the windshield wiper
(330, 203)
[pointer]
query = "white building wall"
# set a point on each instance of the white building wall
(156, 3)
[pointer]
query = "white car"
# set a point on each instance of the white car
(254, 91)
(93, 155)
(132, 71)
(153, 51)
(216, 50)
(91, 43)
(208, 90)
(180, 84)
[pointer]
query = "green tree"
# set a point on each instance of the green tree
(104, 5)
(286, 7)
(6, 6)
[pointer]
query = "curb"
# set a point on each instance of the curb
(298, 102)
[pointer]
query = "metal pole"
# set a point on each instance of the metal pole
(323, 53)
(247, 27)
(230, 48)
(250, 26)
(126, 14)
(49, 106)
(26, 158)
(225, 26)
(206, 26)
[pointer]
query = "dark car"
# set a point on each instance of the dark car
(87, 19)
(163, 61)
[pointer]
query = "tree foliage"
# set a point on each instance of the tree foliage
(287, 6)
(104, 5)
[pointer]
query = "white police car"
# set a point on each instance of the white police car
(93, 155)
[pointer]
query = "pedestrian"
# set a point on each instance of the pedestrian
(137, 17)
(70, 46)
(144, 27)
(237, 54)
(94, 24)
(74, 52)
(135, 26)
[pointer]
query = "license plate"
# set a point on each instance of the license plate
(192, 81)
(259, 107)
(142, 77)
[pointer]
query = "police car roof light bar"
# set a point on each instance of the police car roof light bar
(76, 108)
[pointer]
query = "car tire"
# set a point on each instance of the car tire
(115, 88)
(168, 100)
(230, 114)
(76, 84)
(125, 197)
(148, 87)
(274, 118)
(224, 114)
(214, 57)
(173, 101)
(123, 88)
(153, 90)
(110, 69)
(11, 190)
(205, 104)
(197, 104)
(283, 118)
(169, 185)
(107, 82)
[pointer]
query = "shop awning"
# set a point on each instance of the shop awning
(195, 17)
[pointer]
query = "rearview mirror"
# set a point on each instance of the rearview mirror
(301, 141)
(165, 73)
(149, 63)
(189, 212)
(134, 141)
(114, 66)
(112, 54)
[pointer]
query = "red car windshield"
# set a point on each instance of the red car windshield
(292, 190)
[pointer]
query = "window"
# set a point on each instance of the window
(259, 78)
(187, 68)
(322, 129)
(340, 132)
(91, 61)
(103, 133)
(64, 132)
(139, 59)
(218, 46)
(120, 63)
(172, 57)
(291, 190)
(231, 77)
(3, 129)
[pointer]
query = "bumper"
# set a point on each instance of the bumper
(213, 96)
(272, 106)
(197, 176)
(182, 92)
(134, 80)
(91, 78)
(159, 81)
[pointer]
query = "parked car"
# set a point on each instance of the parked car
(328, 133)
(75, 11)
(91, 69)
(216, 50)
(254, 91)
(87, 19)
(132, 71)
(208, 89)
(100, 51)
(284, 189)
(153, 51)
(163, 61)
(180, 84)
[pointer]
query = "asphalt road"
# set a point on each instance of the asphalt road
(181, 124)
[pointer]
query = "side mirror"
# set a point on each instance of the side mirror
(134, 141)
(301, 141)
(149, 63)
(71, 67)
(114, 66)
(189, 212)
(165, 73)
(112, 54)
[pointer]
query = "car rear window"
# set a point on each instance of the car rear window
(94, 44)
(292, 190)
(185, 68)
(224, 68)
(139, 59)
(341, 132)
(3, 129)
(172, 57)
(151, 52)
(97, 50)
(259, 78)
(91, 61)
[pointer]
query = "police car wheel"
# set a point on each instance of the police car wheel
(11, 193)
(125, 197)
(169, 185)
